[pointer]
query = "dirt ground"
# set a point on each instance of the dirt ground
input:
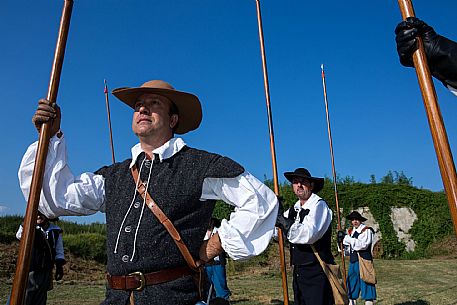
(76, 269)
(400, 282)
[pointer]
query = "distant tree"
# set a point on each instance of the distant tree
(347, 180)
(388, 179)
(402, 179)
(397, 178)
(372, 179)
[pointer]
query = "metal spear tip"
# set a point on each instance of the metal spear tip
(322, 67)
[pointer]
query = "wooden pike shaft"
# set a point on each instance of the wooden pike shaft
(273, 152)
(28, 234)
(329, 130)
(109, 122)
(435, 120)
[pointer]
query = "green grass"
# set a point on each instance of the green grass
(400, 282)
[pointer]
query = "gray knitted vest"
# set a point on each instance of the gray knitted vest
(176, 186)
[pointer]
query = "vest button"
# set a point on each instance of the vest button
(125, 258)
(137, 205)
(128, 229)
(147, 163)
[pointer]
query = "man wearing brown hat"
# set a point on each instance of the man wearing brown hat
(145, 266)
(307, 223)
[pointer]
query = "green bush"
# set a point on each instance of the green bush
(76, 228)
(433, 223)
(10, 224)
(7, 238)
(86, 245)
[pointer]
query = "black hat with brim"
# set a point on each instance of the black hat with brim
(304, 173)
(356, 216)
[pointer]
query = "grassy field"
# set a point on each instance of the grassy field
(400, 282)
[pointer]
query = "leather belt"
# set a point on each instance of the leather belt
(138, 280)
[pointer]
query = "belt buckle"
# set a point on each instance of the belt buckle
(141, 278)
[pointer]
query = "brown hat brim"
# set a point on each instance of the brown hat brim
(188, 105)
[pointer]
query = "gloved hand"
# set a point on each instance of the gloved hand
(340, 236)
(282, 222)
(59, 269)
(441, 52)
(45, 113)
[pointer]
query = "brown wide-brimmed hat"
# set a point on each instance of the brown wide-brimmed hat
(304, 173)
(188, 105)
(356, 216)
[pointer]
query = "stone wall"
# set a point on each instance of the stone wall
(402, 221)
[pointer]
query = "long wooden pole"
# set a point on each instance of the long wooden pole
(28, 234)
(109, 122)
(329, 130)
(273, 152)
(435, 120)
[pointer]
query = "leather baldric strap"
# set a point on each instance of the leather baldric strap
(152, 205)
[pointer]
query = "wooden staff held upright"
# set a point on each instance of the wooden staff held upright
(435, 120)
(109, 122)
(28, 234)
(329, 130)
(273, 153)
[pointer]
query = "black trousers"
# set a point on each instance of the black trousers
(311, 286)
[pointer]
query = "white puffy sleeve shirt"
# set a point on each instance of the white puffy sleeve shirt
(362, 241)
(314, 225)
(247, 233)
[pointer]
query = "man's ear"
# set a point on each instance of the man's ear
(312, 185)
(173, 121)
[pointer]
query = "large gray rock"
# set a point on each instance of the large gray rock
(402, 221)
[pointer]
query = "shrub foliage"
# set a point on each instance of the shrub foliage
(395, 190)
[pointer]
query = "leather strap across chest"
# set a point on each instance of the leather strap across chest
(164, 220)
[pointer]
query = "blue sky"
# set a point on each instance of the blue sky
(211, 48)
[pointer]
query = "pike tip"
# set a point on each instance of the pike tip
(322, 67)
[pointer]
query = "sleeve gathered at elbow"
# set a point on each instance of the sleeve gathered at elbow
(62, 193)
(313, 226)
(250, 227)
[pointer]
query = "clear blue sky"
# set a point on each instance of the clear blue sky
(211, 48)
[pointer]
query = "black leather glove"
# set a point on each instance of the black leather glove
(340, 236)
(47, 113)
(441, 52)
(59, 269)
(282, 222)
